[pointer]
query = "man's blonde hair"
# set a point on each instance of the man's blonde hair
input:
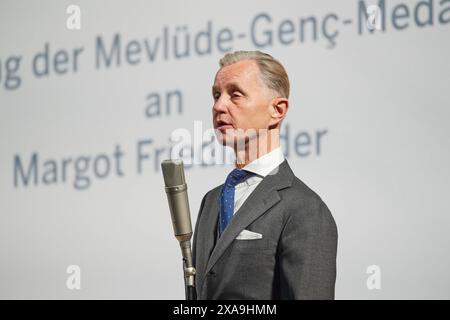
(272, 71)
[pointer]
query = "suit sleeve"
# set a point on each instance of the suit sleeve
(194, 241)
(307, 255)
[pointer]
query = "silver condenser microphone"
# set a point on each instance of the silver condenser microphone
(176, 190)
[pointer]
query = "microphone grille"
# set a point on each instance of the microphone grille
(173, 172)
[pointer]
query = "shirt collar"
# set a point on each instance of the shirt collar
(266, 163)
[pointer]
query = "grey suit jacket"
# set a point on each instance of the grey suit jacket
(294, 259)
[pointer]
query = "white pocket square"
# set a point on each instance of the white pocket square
(248, 235)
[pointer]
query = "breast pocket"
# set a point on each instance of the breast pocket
(251, 246)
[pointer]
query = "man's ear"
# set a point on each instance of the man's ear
(278, 110)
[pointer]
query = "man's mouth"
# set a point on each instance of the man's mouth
(222, 125)
(225, 127)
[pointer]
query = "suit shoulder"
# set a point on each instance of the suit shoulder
(301, 200)
(206, 199)
(302, 193)
(213, 191)
(306, 207)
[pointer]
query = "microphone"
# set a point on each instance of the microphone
(176, 190)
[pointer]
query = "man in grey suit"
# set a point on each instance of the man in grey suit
(263, 234)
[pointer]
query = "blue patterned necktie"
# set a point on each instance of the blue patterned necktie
(227, 197)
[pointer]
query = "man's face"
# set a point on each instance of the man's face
(241, 100)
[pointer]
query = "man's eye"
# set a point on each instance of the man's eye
(237, 94)
(216, 95)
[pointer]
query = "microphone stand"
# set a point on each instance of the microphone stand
(188, 270)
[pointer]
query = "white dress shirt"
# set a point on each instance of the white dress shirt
(261, 167)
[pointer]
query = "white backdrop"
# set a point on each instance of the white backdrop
(381, 102)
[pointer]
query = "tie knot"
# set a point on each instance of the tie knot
(237, 176)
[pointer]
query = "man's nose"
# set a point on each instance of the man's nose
(220, 106)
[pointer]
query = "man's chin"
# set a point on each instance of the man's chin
(230, 137)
